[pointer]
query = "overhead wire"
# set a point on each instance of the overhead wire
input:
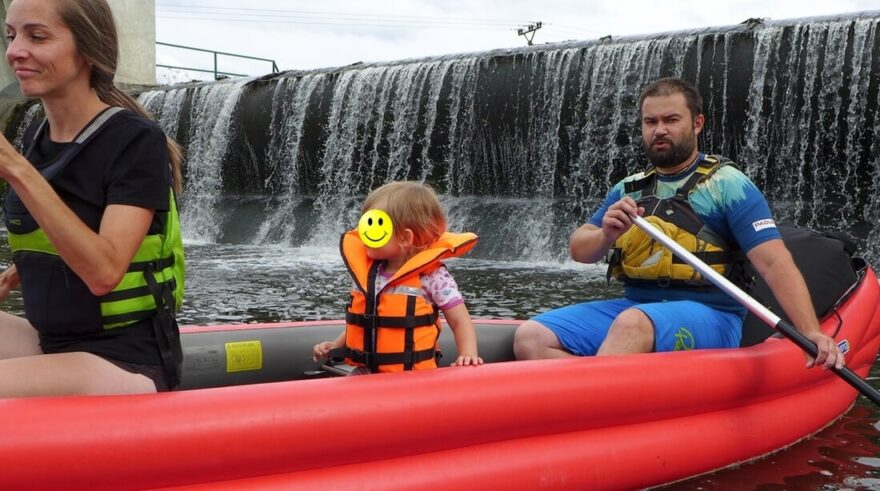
(350, 24)
(251, 15)
(243, 14)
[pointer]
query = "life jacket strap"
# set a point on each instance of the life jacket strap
(166, 329)
(373, 360)
(666, 283)
(141, 291)
(157, 265)
(367, 321)
(127, 318)
(630, 187)
(714, 257)
(82, 138)
(614, 258)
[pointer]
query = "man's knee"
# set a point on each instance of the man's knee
(631, 332)
(633, 321)
(530, 340)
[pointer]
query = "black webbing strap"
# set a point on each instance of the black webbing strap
(614, 258)
(116, 296)
(639, 184)
(157, 265)
(409, 344)
(714, 257)
(370, 317)
(373, 321)
(710, 162)
(85, 135)
(165, 326)
(685, 189)
(376, 359)
(66, 156)
(667, 282)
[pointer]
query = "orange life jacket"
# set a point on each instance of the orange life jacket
(394, 329)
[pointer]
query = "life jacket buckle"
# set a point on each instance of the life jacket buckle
(372, 320)
(663, 282)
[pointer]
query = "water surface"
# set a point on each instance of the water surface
(249, 283)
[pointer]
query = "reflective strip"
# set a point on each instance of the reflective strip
(35, 241)
(127, 319)
(403, 290)
(96, 124)
(123, 307)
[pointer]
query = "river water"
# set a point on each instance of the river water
(233, 283)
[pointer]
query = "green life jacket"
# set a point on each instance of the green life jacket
(154, 279)
(133, 299)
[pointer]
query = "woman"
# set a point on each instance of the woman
(90, 215)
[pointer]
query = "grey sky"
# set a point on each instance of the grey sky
(303, 35)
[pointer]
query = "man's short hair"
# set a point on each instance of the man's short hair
(671, 85)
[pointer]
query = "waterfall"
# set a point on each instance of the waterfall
(810, 122)
(212, 111)
(30, 115)
(523, 143)
(284, 158)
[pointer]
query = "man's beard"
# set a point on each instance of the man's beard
(677, 153)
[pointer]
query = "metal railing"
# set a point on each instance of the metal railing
(216, 71)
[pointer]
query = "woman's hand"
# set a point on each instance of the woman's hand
(10, 159)
(8, 281)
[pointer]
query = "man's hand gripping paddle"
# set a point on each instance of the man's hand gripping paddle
(754, 306)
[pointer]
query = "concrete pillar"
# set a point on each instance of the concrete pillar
(6, 76)
(136, 24)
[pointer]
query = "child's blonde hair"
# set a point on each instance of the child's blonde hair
(411, 205)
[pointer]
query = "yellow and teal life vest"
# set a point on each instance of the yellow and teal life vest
(638, 260)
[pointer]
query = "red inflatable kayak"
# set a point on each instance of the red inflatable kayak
(259, 414)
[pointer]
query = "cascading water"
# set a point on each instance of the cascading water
(283, 157)
(212, 109)
(523, 143)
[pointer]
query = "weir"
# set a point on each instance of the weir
(523, 143)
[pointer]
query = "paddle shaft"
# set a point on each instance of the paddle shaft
(754, 306)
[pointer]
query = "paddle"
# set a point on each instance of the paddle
(754, 306)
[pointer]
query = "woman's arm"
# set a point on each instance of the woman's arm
(100, 259)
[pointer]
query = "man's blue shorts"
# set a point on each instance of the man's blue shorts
(678, 325)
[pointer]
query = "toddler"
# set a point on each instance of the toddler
(400, 285)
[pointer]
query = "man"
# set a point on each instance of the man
(709, 207)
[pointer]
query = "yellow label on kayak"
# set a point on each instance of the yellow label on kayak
(242, 356)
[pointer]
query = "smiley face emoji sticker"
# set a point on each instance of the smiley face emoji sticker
(375, 228)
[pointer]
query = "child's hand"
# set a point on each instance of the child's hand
(464, 360)
(322, 350)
